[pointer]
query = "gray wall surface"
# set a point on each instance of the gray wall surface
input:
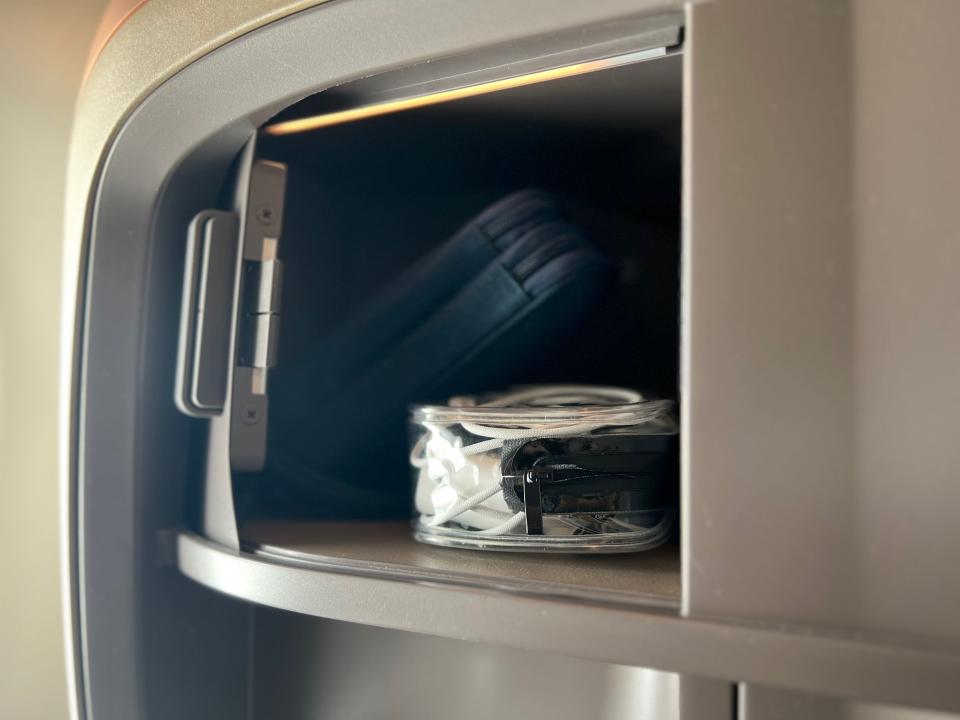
(823, 461)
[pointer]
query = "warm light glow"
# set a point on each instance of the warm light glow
(342, 116)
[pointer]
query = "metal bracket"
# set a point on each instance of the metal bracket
(260, 202)
(228, 332)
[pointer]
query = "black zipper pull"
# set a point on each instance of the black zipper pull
(533, 499)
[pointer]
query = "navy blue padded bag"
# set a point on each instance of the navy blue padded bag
(511, 282)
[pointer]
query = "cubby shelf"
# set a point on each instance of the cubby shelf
(622, 609)
(650, 579)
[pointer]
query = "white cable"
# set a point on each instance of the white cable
(464, 505)
(506, 527)
(550, 396)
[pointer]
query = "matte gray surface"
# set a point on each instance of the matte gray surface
(513, 59)
(821, 462)
(757, 702)
(768, 328)
(763, 703)
(704, 698)
(793, 658)
(649, 579)
(310, 668)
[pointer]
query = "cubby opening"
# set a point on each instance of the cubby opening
(367, 199)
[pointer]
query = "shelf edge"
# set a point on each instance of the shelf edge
(841, 666)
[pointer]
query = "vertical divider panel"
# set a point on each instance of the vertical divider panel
(766, 362)
(819, 319)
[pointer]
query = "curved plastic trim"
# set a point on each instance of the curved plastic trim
(602, 631)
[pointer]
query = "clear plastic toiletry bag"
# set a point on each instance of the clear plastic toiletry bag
(546, 469)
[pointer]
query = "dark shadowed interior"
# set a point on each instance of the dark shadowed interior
(367, 199)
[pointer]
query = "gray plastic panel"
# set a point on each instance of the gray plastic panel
(767, 360)
(821, 458)
(703, 698)
(480, 609)
(648, 579)
(645, 37)
(310, 669)
(756, 702)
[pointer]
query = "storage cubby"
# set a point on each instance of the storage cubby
(367, 199)
(790, 580)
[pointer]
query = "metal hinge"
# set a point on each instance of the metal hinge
(231, 309)
(260, 320)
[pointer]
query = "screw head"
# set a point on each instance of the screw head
(266, 214)
(250, 415)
